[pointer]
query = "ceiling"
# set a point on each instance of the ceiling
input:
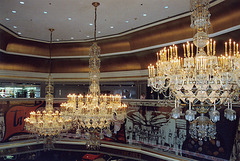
(71, 19)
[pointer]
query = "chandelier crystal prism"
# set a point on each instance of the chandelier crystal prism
(48, 123)
(94, 113)
(203, 80)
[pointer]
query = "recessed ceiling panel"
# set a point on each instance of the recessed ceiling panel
(73, 19)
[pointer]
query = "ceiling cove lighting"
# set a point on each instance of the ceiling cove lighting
(94, 113)
(48, 123)
(200, 79)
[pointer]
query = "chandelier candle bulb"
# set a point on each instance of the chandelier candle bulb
(222, 61)
(192, 50)
(208, 48)
(234, 52)
(153, 71)
(237, 50)
(230, 47)
(197, 64)
(149, 72)
(176, 51)
(184, 50)
(226, 53)
(211, 47)
(171, 53)
(165, 54)
(214, 48)
(219, 62)
(168, 55)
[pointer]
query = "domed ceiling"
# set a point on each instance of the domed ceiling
(73, 19)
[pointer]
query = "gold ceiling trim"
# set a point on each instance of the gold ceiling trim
(20, 77)
(71, 79)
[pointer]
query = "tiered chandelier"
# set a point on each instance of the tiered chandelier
(48, 123)
(94, 113)
(203, 81)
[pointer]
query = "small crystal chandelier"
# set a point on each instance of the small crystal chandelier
(203, 81)
(202, 128)
(94, 113)
(48, 123)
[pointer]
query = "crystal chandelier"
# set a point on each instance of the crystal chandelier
(94, 113)
(203, 81)
(48, 122)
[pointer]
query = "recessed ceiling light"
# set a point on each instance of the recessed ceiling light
(144, 14)
(88, 36)
(126, 21)
(19, 33)
(111, 27)
(21, 2)
(72, 38)
(45, 12)
(15, 27)
(69, 18)
(166, 7)
(90, 24)
(7, 19)
(99, 32)
(14, 11)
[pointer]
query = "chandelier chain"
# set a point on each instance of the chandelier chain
(50, 50)
(95, 21)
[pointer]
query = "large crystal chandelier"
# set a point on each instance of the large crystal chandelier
(48, 122)
(203, 81)
(94, 113)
